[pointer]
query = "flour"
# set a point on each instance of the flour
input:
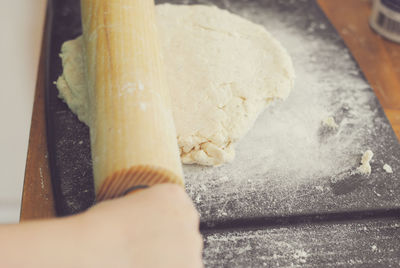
(41, 178)
(128, 88)
(286, 143)
(143, 106)
(286, 148)
(285, 165)
(326, 245)
(286, 138)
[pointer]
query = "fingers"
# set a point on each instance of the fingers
(186, 224)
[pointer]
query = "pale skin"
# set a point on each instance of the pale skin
(156, 227)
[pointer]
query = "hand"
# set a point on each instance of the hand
(156, 227)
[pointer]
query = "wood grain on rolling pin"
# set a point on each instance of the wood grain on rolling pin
(371, 51)
(133, 138)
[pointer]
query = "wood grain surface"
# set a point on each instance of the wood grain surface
(378, 58)
(37, 197)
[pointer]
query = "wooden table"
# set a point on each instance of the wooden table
(378, 58)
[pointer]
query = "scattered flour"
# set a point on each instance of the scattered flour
(143, 106)
(304, 246)
(285, 144)
(365, 168)
(141, 86)
(387, 168)
(284, 152)
(128, 88)
(287, 150)
(41, 178)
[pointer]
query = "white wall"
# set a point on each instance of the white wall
(21, 26)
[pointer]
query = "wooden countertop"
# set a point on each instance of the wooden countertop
(378, 58)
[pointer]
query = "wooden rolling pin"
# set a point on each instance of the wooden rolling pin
(132, 132)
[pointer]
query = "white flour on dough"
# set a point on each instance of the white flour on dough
(222, 72)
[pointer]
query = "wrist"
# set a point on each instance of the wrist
(67, 242)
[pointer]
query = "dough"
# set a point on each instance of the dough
(387, 168)
(365, 168)
(330, 122)
(222, 72)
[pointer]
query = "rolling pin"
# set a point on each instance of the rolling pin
(132, 132)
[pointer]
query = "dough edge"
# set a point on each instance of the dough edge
(205, 152)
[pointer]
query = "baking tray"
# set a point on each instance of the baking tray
(336, 218)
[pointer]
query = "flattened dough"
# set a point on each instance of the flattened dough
(222, 72)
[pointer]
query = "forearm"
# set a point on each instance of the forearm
(157, 227)
(47, 243)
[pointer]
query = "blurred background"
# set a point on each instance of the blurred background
(21, 23)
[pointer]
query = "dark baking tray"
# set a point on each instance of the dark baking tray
(70, 160)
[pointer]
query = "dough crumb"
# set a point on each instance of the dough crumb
(365, 168)
(330, 122)
(319, 188)
(300, 255)
(387, 168)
